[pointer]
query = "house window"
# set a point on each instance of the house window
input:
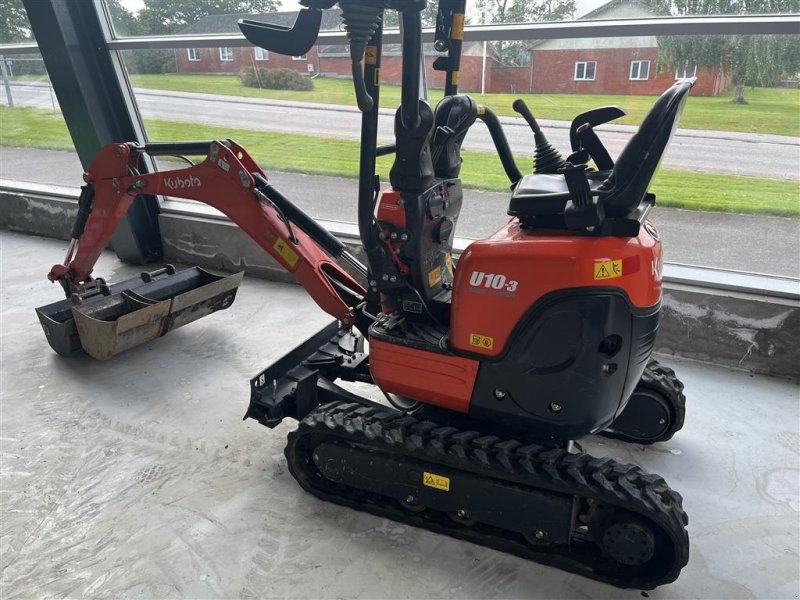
(640, 70)
(226, 54)
(261, 54)
(301, 57)
(584, 71)
(193, 54)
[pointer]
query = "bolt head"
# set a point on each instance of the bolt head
(384, 277)
(555, 407)
(393, 279)
(540, 535)
(393, 235)
(404, 237)
(499, 394)
(462, 514)
(411, 499)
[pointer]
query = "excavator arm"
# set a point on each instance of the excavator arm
(230, 181)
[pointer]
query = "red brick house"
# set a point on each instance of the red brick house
(569, 66)
(611, 65)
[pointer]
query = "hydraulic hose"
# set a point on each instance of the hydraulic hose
(501, 144)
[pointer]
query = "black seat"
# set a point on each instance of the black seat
(621, 190)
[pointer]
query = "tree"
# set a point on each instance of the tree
(159, 17)
(391, 18)
(14, 26)
(755, 60)
(521, 11)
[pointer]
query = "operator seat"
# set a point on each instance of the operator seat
(621, 189)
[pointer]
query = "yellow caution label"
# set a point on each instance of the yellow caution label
(371, 55)
(481, 341)
(377, 81)
(448, 261)
(284, 249)
(454, 78)
(440, 482)
(608, 269)
(480, 109)
(458, 26)
(434, 276)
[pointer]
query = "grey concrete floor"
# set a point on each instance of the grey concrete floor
(136, 478)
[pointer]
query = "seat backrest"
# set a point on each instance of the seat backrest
(637, 164)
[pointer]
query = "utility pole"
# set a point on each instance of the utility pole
(6, 82)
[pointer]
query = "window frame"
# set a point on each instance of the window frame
(639, 63)
(585, 64)
(228, 52)
(262, 51)
(301, 57)
(193, 54)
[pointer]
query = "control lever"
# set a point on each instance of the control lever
(291, 41)
(546, 159)
(591, 146)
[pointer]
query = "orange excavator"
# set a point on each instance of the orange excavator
(483, 368)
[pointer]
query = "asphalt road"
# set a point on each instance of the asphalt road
(760, 155)
(748, 243)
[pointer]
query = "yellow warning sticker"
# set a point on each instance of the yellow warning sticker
(283, 248)
(434, 276)
(454, 78)
(480, 109)
(481, 341)
(458, 26)
(440, 482)
(371, 55)
(608, 269)
(377, 81)
(448, 261)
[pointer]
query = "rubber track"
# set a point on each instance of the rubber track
(662, 380)
(610, 483)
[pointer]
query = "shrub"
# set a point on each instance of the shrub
(275, 79)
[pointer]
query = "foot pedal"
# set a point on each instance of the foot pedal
(106, 320)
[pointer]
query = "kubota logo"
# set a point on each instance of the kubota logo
(179, 183)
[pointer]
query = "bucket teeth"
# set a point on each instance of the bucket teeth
(119, 317)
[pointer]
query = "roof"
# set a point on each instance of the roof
(598, 12)
(228, 23)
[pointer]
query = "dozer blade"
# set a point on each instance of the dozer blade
(111, 319)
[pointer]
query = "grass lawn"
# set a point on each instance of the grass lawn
(771, 110)
(324, 156)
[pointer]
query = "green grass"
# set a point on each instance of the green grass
(324, 156)
(770, 110)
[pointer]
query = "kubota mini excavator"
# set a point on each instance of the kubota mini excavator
(491, 363)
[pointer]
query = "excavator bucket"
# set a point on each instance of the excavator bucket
(111, 319)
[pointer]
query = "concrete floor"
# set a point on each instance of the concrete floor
(136, 478)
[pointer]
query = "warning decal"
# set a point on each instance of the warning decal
(286, 252)
(434, 276)
(458, 27)
(481, 341)
(371, 55)
(440, 482)
(608, 269)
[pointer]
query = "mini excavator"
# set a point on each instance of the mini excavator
(486, 366)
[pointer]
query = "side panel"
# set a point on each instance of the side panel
(430, 377)
(498, 279)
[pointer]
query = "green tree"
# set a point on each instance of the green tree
(14, 26)
(160, 17)
(521, 11)
(754, 60)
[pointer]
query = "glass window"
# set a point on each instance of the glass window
(584, 71)
(226, 54)
(193, 54)
(301, 57)
(640, 70)
(261, 53)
